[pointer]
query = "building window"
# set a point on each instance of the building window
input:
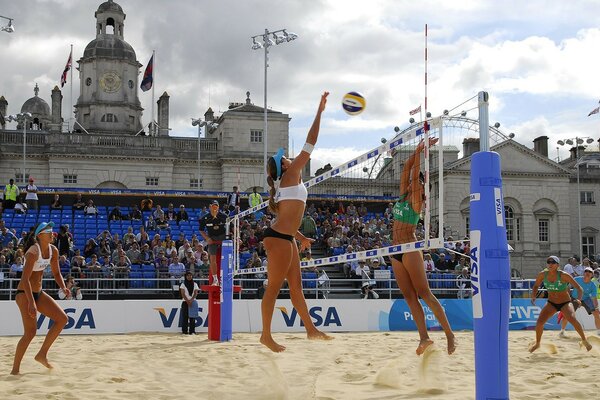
(543, 234)
(586, 198)
(256, 136)
(509, 216)
(152, 181)
(387, 194)
(69, 178)
(588, 246)
(467, 226)
(196, 184)
(109, 118)
(19, 178)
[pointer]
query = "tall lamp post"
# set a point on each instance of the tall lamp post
(8, 28)
(22, 117)
(199, 123)
(577, 141)
(280, 36)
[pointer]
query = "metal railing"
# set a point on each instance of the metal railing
(99, 287)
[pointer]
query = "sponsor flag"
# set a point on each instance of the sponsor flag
(594, 111)
(147, 80)
(416, 110)
(63, 77)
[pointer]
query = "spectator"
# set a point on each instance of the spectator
(90, 208)
(190, 261)
(78, 203)
(569, 267)
(162, 224)
(150, 224)
(91, 247)
(260, 292)
(162, 268)
(107, 269)
(182, 215)
(170, 214)
(121, 271)
(462, 263)
(189, 307)
(56, 203)
(11, 194)
(73, 287)
(115, 214)
(428, 263)
(63, 241)
(142, 237)
(147, 204)
(77, 264)
(133, 253)
(578, 267)
(367, 291)
(158, 212)
(31, 198)
(181, 240)
(176, 271)
(64, 265)
(103, 249)
(233, 199)
(128, 236)
(16, 269)
(135, 214)
(254, 198)
(115, 253)
(146, 257)
(7, 237)
(308, 226)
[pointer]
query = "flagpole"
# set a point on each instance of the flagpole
(71, 109)
(152, 123)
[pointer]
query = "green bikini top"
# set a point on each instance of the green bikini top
(403, 212)
(558, 285)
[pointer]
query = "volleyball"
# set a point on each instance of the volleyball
(353, 103)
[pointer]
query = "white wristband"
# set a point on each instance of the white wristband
(308, 147)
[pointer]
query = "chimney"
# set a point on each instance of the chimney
(470, 146)
(540, 145)
(573, 152)
(56, 125)
(3, 105)
(163, 115)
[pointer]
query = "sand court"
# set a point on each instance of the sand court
(376, 365)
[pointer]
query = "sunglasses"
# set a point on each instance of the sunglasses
(551, 262)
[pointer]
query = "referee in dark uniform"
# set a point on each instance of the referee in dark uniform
(212, 229)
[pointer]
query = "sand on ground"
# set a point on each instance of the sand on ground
(376, 365)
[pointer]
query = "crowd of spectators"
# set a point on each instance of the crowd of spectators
(111, 255)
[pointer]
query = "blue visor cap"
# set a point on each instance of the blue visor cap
(277, 158)
(44, 227)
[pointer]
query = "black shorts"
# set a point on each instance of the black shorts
(558, 306)
(214, 247)
(269, 232)
(398, 256)
(588, 304)
(36, 295)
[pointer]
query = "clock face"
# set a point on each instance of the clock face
(110, 82)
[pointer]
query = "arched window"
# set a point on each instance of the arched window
(109, 118)
(512, 224)
(110, 26)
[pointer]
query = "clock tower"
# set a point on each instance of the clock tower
(108, 75)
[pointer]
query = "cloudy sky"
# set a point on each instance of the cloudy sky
(538, 60)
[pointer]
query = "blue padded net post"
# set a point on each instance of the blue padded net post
(490, 270)
(226, 290)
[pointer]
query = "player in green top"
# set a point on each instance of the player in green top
(559, 299)
(408, 267)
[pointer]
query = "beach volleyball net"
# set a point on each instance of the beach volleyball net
(374, 177)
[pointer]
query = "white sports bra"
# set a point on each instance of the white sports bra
(297, 192)
(42, 263)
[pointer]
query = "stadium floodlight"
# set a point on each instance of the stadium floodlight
(280, 37)
(10, 28)
(209, 125)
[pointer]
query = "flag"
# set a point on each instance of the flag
(416, 110)
(594, 111)
(147, 80)
(63, 78)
